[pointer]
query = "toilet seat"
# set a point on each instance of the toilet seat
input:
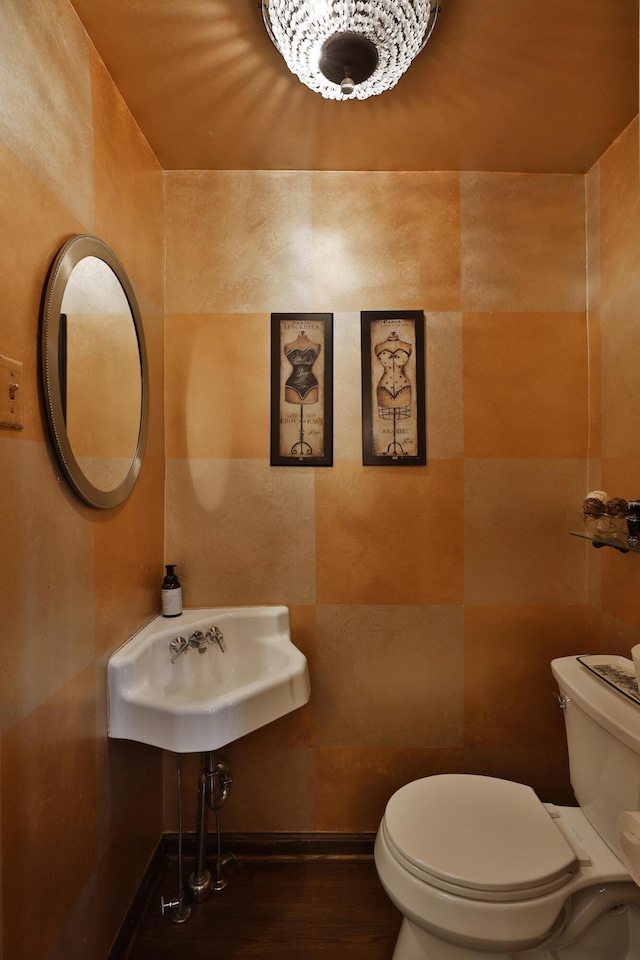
(478, 837)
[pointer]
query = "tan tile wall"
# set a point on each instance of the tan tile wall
(80, 816)
(429, 600)
(613, 211)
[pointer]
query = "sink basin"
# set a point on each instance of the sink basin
(203, 701)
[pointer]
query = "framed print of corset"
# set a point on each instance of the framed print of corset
(302, 389)
(393, 388)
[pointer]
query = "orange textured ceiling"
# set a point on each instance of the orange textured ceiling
(511, 85)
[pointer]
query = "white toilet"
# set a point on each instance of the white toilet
(479, 867)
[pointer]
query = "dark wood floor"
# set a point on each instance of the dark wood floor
(283, 907)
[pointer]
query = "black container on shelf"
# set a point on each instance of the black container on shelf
(633, 521)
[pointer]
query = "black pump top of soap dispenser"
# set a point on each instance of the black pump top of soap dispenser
(171, 579)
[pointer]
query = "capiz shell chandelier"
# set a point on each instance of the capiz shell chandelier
(345, 49)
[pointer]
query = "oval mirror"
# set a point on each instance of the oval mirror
(94, 368)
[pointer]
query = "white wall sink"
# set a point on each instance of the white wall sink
(203, 701)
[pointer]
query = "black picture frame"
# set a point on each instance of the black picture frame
(393, 388)
(301, 389)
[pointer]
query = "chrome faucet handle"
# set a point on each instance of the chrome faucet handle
(214, 635)
(198, 640)
(177, 646)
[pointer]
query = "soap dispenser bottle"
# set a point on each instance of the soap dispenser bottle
(171, 593)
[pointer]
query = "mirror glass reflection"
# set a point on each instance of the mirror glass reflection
(103, 388)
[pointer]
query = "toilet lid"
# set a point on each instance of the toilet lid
(492, 838)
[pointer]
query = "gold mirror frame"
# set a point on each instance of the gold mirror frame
(69, 255)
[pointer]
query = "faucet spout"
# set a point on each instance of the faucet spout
(198, 640)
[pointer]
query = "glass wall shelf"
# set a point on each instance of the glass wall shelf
(618, 543)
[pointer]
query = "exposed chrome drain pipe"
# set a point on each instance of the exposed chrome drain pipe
(178, 910)
(214, 786)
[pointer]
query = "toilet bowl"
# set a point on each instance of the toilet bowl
(480, 867)
(481, 863)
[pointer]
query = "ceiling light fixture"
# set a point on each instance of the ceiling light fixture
(346, 49)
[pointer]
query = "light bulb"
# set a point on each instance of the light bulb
(347, 87)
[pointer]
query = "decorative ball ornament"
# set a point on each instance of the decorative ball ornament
(349, 49)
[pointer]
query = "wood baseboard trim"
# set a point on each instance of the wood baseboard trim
(135, 914)
(279, 845)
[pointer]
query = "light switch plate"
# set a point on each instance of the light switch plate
(10, 393)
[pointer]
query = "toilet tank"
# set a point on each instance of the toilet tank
(603, 739)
